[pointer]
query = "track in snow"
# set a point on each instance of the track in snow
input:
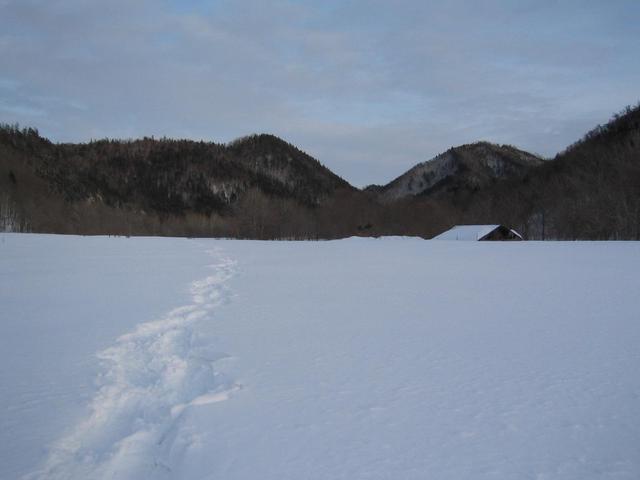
(150, 377)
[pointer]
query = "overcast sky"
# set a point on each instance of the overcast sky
(367, 87)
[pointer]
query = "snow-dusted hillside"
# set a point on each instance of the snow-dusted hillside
(377, 359)
(473, 165)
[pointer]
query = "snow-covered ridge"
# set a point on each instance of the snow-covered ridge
(151, 376)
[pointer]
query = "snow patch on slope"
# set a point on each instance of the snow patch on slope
(151, 376)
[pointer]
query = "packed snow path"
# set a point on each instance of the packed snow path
(63, 298)
(354, 359)
(150, 377)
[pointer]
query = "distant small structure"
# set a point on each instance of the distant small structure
(479, 233)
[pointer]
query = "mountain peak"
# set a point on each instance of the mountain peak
(472, 165)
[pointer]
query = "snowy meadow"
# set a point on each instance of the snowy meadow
(150, 358)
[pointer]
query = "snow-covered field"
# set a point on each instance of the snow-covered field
(354, 359)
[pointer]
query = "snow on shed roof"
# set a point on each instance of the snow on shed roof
(467, 232)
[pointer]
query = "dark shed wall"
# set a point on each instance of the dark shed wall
(501, 233)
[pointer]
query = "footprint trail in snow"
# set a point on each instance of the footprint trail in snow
(150, 377)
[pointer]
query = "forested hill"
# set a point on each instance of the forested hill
(589, 191)
(173, 176)
(469, 166)
(157, 185)
(263, 187)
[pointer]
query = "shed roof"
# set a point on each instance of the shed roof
(467, 232)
